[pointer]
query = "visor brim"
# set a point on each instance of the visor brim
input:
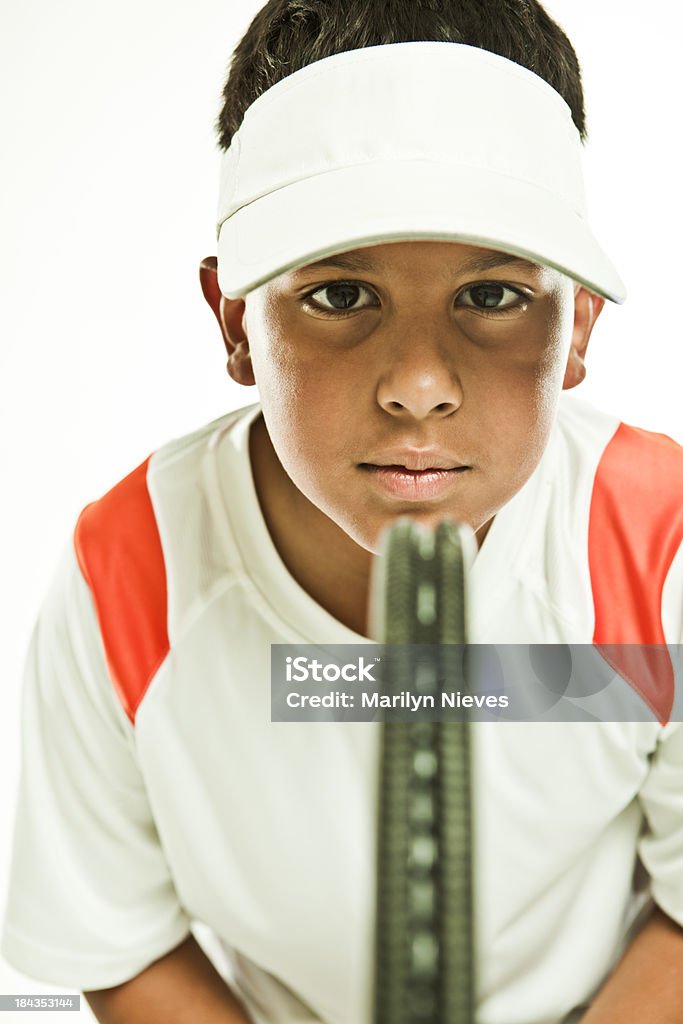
(390, 201)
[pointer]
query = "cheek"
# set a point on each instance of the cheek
(547, 345)
(299, 391)
(272, 356)
(559, 322)
(305, 399)
(519, 406)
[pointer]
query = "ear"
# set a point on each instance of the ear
(230, 316)
(587, 309)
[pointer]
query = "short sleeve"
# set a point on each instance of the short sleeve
(91, 900)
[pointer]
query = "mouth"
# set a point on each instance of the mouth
(416, 476)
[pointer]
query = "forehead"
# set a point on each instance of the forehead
(452, 257)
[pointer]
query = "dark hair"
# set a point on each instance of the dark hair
(286, 35)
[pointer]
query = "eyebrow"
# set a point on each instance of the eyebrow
(497, 259)
(477, 264)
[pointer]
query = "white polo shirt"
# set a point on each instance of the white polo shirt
(157, 795)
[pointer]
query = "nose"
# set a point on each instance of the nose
(419, 381)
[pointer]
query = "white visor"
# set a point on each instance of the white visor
(406, 141)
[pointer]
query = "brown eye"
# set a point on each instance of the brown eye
(490, 296)
(340, 296)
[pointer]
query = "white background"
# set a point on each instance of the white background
(107, 203)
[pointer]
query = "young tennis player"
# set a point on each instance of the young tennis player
(406, 271)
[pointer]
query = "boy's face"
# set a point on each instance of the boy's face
(414, 379)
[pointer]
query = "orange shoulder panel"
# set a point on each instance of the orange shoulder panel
(635, 530)
(119, 552)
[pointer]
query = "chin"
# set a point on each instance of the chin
(370, 538)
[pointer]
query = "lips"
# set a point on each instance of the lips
(415, 476)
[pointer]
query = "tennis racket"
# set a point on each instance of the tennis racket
(424, 970)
